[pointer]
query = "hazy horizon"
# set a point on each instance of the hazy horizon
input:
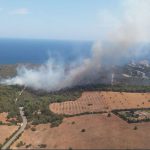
(65, 19)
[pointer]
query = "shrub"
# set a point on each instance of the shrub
(33, 129)
(20, 144)
(109, 115)
(90, 104)
(29, 145)
(83, 130)
(135, 128)
(42, 145)
(56, 123)
(73, 122)
(13, 122)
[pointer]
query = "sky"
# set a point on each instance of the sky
(56, 19)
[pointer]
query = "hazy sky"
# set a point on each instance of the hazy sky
(56, 19)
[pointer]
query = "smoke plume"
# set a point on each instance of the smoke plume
(124, 32)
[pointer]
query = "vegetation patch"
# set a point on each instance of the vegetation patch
(33, 129)
(85, 113)
(109, 115)
(135, 128)
(42, 145)
(73, 122)
(7, 102)
(114, 88)
(83, 130)
(21, 143)
(70, 148)
(134, 115)
(28, 146)
(36, 105)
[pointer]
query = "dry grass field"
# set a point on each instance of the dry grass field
(5, 130)
(100, 132)
(102, 101)
(92, 131)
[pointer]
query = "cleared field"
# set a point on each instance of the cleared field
(102, 101)
(6, 131)
(100, 132)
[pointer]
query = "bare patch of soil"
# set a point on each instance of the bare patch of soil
(100, 132)
(6, 131)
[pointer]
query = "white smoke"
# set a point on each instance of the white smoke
(52, 76)
(131, 27)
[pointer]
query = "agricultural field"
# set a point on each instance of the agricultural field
(93, 131)
(102, 102)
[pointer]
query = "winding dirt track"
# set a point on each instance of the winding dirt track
(102, 101)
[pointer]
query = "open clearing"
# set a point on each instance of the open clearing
(100, 132)
(102, 101)
(5, 130)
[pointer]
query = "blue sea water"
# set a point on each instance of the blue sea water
(14, 51)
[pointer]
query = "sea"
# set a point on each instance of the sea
(35, 51)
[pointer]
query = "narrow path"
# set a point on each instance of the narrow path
(20, 130)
